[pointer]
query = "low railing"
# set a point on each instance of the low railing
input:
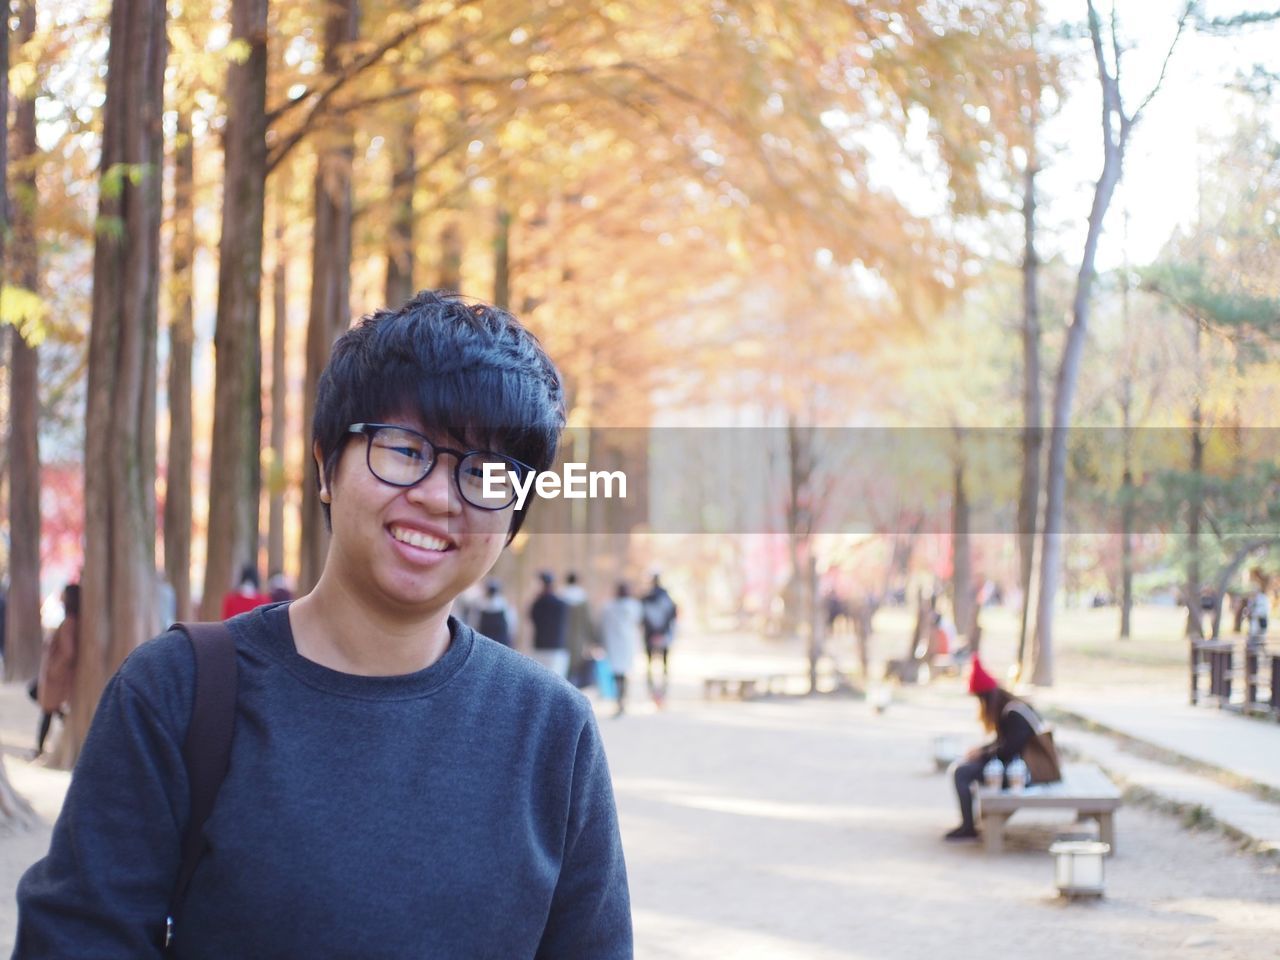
(1237, 675)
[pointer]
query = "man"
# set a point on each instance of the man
(397, 783)
(494, 618)
(659, 614)
(580, 635)
(549, 616)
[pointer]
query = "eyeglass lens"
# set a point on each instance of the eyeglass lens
(402, 458)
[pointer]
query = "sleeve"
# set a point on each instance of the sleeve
(590, 915)
(1014, 734)
(103, 889)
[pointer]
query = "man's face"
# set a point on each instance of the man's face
(415, 548)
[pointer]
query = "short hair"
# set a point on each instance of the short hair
(463, 367)
(571, 577)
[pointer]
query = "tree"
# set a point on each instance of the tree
(23, 633)
(117, 595)
(330, 272)
(13, 808)
(177, 498)
(1117, 126)
(279, 421)
(234, 477)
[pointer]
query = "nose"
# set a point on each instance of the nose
(436, 493)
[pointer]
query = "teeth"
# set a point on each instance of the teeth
(421, 540)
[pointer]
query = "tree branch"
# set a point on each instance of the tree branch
(1164, 67)
(360, 64)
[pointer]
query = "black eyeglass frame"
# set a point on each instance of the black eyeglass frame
(370, 430)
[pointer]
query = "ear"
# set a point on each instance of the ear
(318, 455)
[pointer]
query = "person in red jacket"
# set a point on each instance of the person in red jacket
(244, 597)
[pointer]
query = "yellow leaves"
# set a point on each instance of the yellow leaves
(617, 12)
(23, 80)
(238, 51)
(25, 311)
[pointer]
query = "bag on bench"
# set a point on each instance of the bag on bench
(1040, 755)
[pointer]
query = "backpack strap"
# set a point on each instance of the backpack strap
(207, 749)
(1034, 720)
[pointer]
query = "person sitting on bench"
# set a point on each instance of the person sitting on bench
(1011, 720)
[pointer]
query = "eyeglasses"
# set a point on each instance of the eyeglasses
(404, 458)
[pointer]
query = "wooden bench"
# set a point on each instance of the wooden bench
(1084, 788)
(742, 687)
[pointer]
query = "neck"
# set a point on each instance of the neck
(339, 630)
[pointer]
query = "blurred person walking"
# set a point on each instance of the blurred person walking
(580, 634)
(658, 613)
(494, 617)
(52, 688)
(549, 616)
(620, 633)
(1259, 612)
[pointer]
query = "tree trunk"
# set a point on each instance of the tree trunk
(1114, 141)
(1195, 629)
(1127, 512)
(330, 312)
(502, 251)
(450, 277)
(177, 501)
(118, 587)
(962, 598)
(22, 633)
(14, 810)
(400, 250)
(234, 473)
(1032, 425)
(276, 482)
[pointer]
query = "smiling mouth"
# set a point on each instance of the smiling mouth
(423, 541)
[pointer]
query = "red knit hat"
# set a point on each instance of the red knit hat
(979, 680)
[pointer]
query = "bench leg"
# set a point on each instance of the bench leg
(993, 833)
(1107, 829)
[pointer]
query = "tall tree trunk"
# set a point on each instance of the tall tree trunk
(1116, 127)
(450, 277)
(330, 312)
(962, 597)
(117, 593)
(400, 251)
(276, 483)
(177, 501)
(502, 250)
(234, 473)
(14, 810)
(1127, 517)
(1127, 505)
(1195, 629)
(1032, 424)
(22, 633)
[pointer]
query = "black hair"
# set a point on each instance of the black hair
(624, 590)
(71, 600)
(249, 574)
(465, 368)
(571, 577)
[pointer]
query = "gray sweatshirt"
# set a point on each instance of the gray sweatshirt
(464, 811)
